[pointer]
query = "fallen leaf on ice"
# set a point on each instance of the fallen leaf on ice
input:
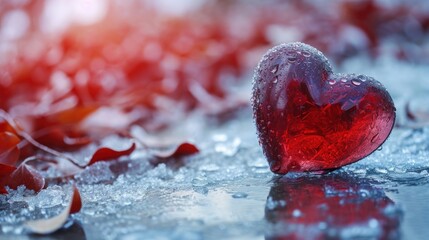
(181, 150)
(5, 171)
(26, 175)
(107, 154)
(50, 225)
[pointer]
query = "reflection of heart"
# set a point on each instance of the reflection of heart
(331, 206)
(309, 119)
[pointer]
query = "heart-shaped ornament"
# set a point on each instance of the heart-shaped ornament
(310, 119)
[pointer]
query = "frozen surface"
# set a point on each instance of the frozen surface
(227, 191)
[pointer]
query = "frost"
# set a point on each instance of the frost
(97, 173)
(47, 198)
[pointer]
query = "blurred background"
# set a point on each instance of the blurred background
(151, 62)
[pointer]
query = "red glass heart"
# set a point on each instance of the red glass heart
(310, 119)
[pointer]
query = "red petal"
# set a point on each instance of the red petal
(181, 150)
(27, 176)
(76, 203)
(107, 154)
(9, 152)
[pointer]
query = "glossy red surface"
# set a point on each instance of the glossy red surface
(310, 119)
(330, 207)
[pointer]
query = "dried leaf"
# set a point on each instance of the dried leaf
(26, 175)
(107, 154)
(9, 152)
(50, 225)
(179, 151)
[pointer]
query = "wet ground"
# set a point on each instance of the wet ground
(227, 191)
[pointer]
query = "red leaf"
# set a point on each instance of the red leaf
(59, 138)
(27, 176)
(107, 154)
(6, 127)
(5, 171)
(179, 151)
(74, 115)
(9, 152)
(76, 203)
(50, 225)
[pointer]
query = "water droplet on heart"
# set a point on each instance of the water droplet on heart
(306, 53)
(296, 213)
(364, 192)
(373, 139)
(362, 78)
(356, 82)
(276, 80)
(292, 59)
(332, 82)
(275, 69)
(343, 80)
